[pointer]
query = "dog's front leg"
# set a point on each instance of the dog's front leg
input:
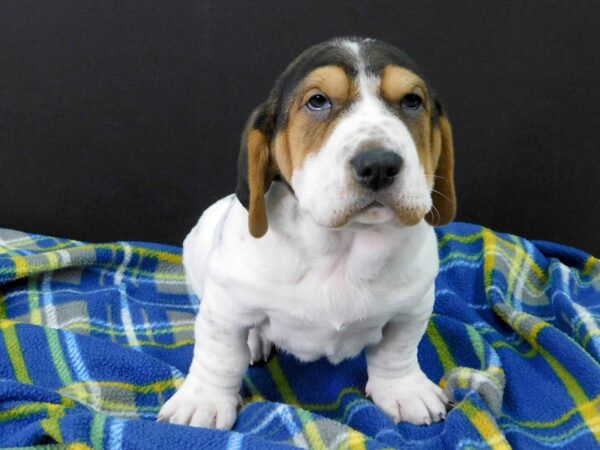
(209, 396)
(396, 382)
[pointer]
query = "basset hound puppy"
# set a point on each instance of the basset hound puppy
(327, 246)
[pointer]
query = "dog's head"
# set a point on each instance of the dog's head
(357, 134)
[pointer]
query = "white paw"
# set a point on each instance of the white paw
(260, 347)
(197, 407)
(413, 398)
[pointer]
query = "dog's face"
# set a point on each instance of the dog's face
(358, 136)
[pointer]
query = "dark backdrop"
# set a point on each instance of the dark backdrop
(121, 119)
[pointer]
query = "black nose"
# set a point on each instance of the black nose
(377, 168)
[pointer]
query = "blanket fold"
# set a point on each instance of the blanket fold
(95, 337)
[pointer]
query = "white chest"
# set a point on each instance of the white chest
(313, 294)
(336, 306)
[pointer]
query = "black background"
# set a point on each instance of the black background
(121, 119)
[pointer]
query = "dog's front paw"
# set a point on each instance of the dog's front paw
(412, 398)
(192, 405)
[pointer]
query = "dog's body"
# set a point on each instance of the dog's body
(338, 164)
(294, 288)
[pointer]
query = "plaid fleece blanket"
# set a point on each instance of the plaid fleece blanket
(95, 337)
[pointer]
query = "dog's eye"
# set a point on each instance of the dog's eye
(318, 102)
(412, 101)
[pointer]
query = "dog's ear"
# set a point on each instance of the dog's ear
(443, 194)
(255, 168)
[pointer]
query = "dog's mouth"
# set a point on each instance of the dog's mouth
(377, 212)
(374, 213)
(370, 212)
(371, 205)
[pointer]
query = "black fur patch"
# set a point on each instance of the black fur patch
(378, 54)
(242, 189)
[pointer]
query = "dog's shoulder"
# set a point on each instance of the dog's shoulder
(204, 237)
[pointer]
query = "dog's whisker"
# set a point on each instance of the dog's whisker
(439, 193)
(438, 214)
(435, 176)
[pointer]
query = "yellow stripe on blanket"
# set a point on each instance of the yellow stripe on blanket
(14, 351)
(311, 430)
(588, 410)
(485, 425)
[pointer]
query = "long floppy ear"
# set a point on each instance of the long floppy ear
(255, 172)
(443, 195)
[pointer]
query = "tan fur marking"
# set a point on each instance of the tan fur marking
(308, 131)
(259, 179)
(444, 195)
(434, 145)
(398, 81)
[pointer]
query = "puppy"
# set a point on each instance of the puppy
(327, 246)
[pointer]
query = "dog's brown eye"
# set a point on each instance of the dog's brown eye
(318, 102)
(412, 101)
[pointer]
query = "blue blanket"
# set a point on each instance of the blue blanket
(94, 339)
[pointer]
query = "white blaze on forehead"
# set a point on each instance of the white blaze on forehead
(353, 46)
(368, 85)
(373, 123)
